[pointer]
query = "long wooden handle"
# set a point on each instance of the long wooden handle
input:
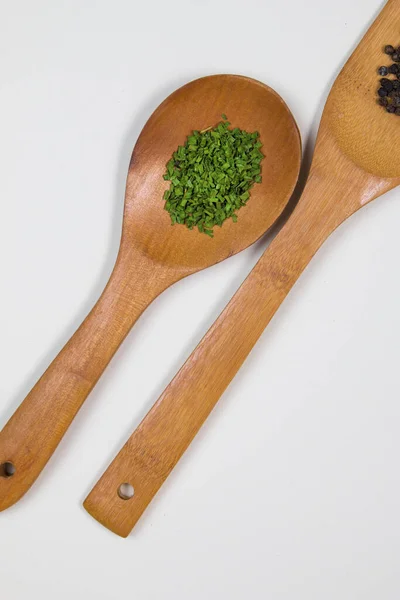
(32, 434)
(163, 436)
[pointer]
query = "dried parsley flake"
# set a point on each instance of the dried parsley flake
(211, 175)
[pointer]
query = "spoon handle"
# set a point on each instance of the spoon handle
(155, 447)
(33, 432)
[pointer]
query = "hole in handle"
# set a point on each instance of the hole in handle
(7, 469)
(126, 491)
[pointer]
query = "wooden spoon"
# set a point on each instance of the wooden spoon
(354, 162)
(152, 256)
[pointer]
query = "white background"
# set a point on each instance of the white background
(291, 490)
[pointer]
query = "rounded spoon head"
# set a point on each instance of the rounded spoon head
(364, 131)
(249, 105)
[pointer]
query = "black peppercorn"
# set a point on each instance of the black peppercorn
(389, 90)
(387, 84)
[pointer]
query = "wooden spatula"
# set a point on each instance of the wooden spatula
(152, 256)
(355, 161)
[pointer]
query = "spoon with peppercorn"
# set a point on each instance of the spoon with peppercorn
(153, 254)
(352, 165)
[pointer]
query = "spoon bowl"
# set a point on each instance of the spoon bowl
(364, 131)
(153, 255)
(249, 105)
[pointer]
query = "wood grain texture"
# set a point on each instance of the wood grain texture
(353, 164)
(152, 256)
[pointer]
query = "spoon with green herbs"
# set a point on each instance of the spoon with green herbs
(244, 171)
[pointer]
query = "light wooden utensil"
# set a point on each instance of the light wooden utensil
(152, 256)
(354, 162)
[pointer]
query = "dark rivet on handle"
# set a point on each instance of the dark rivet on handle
(7, 469)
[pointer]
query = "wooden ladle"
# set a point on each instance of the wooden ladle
(152, 256)
(355, 161)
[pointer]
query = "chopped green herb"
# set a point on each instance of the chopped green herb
(211, 175)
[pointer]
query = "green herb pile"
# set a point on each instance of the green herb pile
(211, 176)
